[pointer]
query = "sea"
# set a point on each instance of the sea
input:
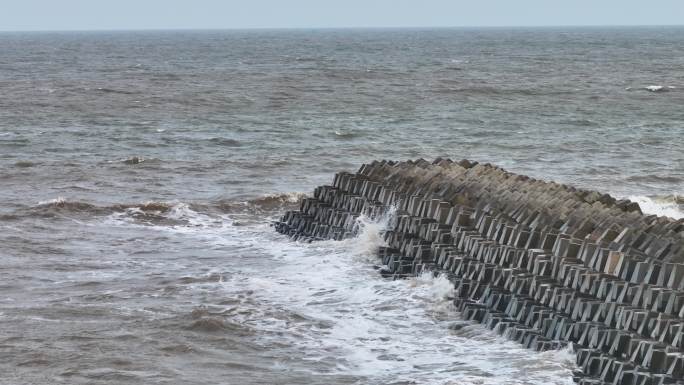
(141, 171)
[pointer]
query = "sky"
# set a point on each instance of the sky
(50, 15)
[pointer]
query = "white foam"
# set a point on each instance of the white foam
(289, 197)
(440, 287)
(379, 329)
(189, 221)
(54, 201)
(367, 243)
(661, 208)
(293, 197)
(659, 88)
(181, 211)
(325, 301)
(369, 233)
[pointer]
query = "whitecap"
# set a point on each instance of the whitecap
(659, 207)
(288, 197)
(344, 134)
(54, 201)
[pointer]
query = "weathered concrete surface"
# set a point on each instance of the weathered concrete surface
(541, 263)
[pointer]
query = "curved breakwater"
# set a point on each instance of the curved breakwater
(543, 264)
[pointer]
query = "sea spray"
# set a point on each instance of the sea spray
(669, 206)
(566, 356)
(369, 233)
(439, 287)
(437, 292)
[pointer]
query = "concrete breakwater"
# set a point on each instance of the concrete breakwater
(541, 263)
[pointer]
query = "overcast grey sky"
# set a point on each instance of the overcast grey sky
(209, 14)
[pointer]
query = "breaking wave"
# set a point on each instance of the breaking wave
(658, 88)
(662, 205)
(384, 330)
(370, 233)
(160, 210)
(268, 202)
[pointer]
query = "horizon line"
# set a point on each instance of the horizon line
(338, 28)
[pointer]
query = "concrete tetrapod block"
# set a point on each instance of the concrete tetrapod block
(604, 276)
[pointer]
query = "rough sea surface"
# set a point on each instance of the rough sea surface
(139, 172)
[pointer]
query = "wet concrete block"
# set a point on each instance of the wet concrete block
(676, 364)
(653, 273)
(587, 251)
(656, 358)
(548, 241)
(441, 212)
(613, 263)
(639, 272)
(676, 277)
(533, 239)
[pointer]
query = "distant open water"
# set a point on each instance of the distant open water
(140, 170)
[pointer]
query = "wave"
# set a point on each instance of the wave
(205, 321)
(268, 202)
(658, 88)
(170, 213)
(67, 205)
(345, 134)
(369, 234)
(439, 286)
(662, 205)
(160, 212)
(653, 88)
(62, 204)
(134, 160)
(270, 199)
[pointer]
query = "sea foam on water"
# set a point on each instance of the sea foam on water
(667, 206)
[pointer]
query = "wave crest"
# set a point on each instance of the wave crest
(61, 204)
(659, 88)
(662, 205)
(268, 202)
(160, 211)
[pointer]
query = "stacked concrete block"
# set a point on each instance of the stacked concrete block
(541, 263)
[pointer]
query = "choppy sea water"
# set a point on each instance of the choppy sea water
(140, 171)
